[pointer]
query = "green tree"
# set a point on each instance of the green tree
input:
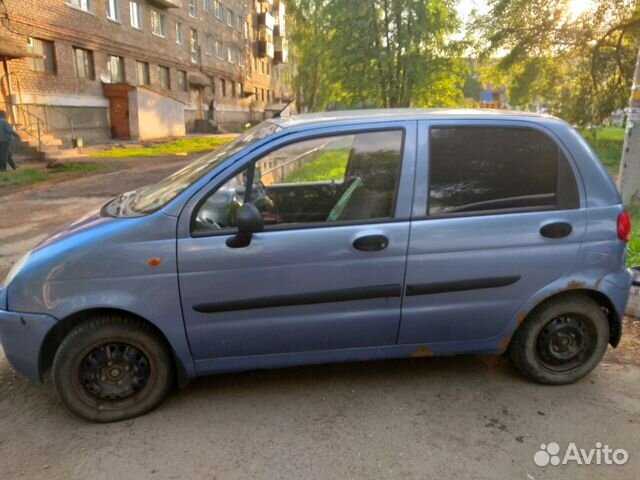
(384, 53)
(578, 66)
(309, 27)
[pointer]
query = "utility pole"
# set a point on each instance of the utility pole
(629, 178)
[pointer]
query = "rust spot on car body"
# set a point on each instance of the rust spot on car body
(504, 344)
(521, 317)
(576, 285)
(422, 352)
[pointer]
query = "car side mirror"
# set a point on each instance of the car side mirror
(249, 221)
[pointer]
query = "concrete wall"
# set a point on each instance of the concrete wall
(154, 116)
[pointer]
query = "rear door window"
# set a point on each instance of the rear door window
(482, 169)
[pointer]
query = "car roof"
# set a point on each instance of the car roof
(402, 114)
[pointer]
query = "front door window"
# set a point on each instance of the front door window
(345, 178)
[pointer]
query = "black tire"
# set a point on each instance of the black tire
(561, 341)
(112, 368)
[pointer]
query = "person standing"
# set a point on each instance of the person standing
(6, 132)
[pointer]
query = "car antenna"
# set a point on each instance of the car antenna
(279, 114)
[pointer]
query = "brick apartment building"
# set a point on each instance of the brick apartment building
(143, 69)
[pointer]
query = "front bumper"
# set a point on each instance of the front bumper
(21, 336)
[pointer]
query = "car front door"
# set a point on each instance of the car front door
(499, 214)
(326, 273)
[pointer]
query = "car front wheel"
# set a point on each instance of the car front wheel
(112, 368)
(561, 341)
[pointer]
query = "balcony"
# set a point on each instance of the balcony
(279, 31)
(281, 50)
(167, 3)
(266, 20)
(266, 49)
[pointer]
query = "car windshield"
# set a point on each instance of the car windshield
(150, 198)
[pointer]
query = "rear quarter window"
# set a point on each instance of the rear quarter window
(480, 169)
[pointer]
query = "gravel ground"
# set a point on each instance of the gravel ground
(460, 417)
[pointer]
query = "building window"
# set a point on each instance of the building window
(268, 68)
(209, 45)
(182, 80)
(135, 11)
(143, 73)
(115, 67)
(193, 8)
(113, 11)
(223, 88)
(207, 5)
(255, 93)
(219, 50)
(86, 5)
(165, 77)
(179, 38)
(158, 24)
(262, 94)
(193, 45)
(219, 11)
(241, 58)
(84, 63)
(230, 20)
(47, 64)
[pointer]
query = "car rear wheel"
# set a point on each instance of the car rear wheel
(561, 341)
(112, 368)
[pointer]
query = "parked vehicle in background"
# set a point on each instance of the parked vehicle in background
(326, 238)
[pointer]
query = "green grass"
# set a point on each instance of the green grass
(633, 255)
(21, 177)
(330, 165)
(184, 146)
(78, 167)
(608, 143)
(29, 176)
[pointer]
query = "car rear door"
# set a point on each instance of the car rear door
(499, 213)
(333, 281)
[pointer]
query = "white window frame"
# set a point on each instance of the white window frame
(82, 5)
(194, 45)
(113, 10)
(193, 8)
(219, 50)
(219, 10)
(230, 15)
(206, 5)
(136, 14)
(162, 23)
(179, 34)
(118, 61)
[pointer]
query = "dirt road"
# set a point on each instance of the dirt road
(442, 418)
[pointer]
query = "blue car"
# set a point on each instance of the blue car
(330, 238)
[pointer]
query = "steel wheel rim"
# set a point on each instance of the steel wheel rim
(113, 375)
(566, 342)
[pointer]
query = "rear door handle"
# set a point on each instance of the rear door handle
(556, 230)
(371, 243)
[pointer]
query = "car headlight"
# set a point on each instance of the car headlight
(16, 269)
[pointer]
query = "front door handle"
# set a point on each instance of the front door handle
(371, 243)
(556, 230)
